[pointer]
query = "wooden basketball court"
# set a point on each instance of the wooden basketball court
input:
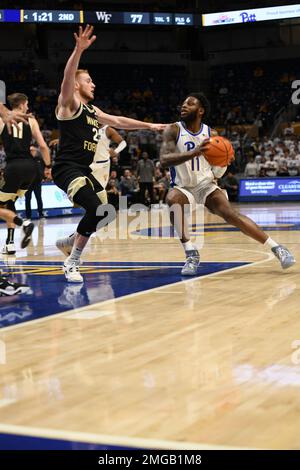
(138, 357)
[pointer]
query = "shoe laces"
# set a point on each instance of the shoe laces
(73, 267)
(282, 252)
(192, 260)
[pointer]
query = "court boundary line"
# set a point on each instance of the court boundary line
(135, 294)
(107, 439)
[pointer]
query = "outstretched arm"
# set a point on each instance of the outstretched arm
(169, 156)
(121, 122)
(83, 41)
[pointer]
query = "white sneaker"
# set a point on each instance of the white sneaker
(72, 297)
(71, 270)
(8, 288)
(65, 245)
(9, 249)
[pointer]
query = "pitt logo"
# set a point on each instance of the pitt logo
(92, 122)
(189, 145)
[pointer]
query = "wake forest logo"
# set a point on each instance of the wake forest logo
(88, 145)
(103, 16)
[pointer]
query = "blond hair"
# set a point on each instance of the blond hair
(79, 71)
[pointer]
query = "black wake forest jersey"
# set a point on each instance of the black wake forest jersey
(17, 144)
(78, 139)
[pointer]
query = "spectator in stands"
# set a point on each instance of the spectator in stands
(271, 167)
(114, 166)
(293, 166)
(288, 130)
(262, 167)
(159, 187)
(113, 193)
(145, 174)
(251, 170)
(36, 186)
(129, 187)
(282, 167)
(114, 176)
(231, 184)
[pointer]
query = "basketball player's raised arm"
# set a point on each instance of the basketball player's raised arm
(83, 41)
(38, 136)
(169, 156)
(121, 122)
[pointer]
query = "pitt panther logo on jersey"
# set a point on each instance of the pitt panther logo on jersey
(189, 145)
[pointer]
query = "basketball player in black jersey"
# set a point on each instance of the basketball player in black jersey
(8, 288)
(20, 168)
(79, 124)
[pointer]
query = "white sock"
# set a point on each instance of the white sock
(71, 238)
(188, 246)
(270, 243)
(26, 222)
(75, 255)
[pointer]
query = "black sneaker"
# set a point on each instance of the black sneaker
(27, 229)
(12, 288)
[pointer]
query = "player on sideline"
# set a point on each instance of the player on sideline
(20, 168)
(79, 125)
(193, 181)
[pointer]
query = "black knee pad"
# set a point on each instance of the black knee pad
(96, 217)
(11, 206)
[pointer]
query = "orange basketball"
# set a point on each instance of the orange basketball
(219, 151)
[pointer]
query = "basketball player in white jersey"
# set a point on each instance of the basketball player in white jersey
(101, 163)
(100, 170)
(193, 181)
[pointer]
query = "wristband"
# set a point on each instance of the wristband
(120, 147)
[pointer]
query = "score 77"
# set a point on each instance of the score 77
(135, 18)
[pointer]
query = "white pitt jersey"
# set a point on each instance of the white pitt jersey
(193, 172)
(102, 150)
(101, 163)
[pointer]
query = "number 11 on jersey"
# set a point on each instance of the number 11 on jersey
(197, 164)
